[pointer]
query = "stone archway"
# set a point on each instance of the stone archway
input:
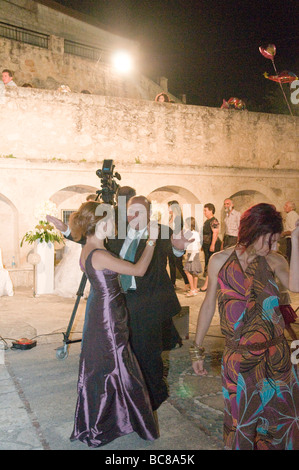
(9, 235)
(188, 202)
(67, 200)
(64, 194)
(247, 198)
(71, 197)
(166, 193)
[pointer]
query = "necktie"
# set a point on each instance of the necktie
(125, 279)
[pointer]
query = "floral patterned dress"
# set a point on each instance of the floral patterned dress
(260, 384)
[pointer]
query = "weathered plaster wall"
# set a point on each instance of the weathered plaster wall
(51, 141)
(47, 125)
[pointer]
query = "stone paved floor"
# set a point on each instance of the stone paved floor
(198, 399)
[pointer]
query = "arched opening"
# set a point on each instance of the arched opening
(9, 235)
(166, 193)
(67, 275)
(243, 200)
(190, 206)
(75, 192)
(247, 198)
(68, 200)
(189, 203)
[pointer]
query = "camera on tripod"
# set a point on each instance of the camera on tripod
(109, 185)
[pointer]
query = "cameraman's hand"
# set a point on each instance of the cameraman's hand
(57, 223)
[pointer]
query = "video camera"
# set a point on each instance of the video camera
(109, 185)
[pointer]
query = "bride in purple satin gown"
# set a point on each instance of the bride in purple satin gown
(112, 397)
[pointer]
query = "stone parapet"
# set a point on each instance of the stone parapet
(50, 125)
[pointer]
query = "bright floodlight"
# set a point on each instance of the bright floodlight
(122, 61)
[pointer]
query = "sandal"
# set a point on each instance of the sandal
(192, 293)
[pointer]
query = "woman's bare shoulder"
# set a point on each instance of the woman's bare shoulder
(99, 258)
(276, 259)
(218, 259)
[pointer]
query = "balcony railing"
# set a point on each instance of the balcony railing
(82, 50)
(34, 38)
(24, 35)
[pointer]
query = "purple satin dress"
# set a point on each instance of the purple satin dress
(112, 397)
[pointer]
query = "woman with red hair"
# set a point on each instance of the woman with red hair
(260, 384)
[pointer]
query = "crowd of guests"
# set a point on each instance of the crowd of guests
(132, 302)
(210, 238)
(7, 80)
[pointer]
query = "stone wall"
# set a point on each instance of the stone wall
(49, 17)
(51, 145)
(47, 125)
(50, 67)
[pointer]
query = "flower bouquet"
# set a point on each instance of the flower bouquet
(44, 232)
(43, 237)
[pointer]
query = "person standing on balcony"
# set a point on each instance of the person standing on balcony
(7, 78)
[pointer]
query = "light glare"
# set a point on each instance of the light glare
(122, 61)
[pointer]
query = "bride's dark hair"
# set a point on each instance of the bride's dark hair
(83, 222)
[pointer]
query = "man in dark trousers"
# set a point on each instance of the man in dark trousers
(151, 299)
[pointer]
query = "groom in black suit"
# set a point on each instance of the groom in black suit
(151, 299)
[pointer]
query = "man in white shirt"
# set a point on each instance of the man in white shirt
(289, 225)
(7, 78)
(231, 224)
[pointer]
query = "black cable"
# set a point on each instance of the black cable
(34, 337)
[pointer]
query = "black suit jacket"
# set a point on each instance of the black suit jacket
(154, 291)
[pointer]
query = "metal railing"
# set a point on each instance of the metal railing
(82, 50)
(34, 38)
(24, 35)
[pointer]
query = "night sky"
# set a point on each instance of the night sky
(208, 49)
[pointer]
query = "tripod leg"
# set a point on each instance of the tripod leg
(80, 293)
(61, 353)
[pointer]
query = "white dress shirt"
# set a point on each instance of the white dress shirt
(232, 223)
(290, 222)
(131, 235)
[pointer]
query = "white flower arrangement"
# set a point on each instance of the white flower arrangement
(45, 208)
(44, 231)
